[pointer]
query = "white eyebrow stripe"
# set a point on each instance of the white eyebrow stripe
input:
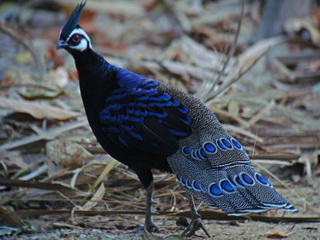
(81, 32)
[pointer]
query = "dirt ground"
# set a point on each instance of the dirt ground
(305, 198)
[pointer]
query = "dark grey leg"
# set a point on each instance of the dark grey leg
(149, 224)
(196, 222)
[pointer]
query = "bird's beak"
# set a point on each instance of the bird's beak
(61, 44)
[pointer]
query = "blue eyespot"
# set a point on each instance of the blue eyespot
(214, 190)
(226, 143)
(247, 179)
(203, 153)
(236, 143)
(195, 186)
(186, 150)
(225, 185)
(220, 145)
(194, 154)
(209, 147)
(262, 180)
(239, 181)
(198, 154)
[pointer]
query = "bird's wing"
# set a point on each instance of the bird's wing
(138, 115)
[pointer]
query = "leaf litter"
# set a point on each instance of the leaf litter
(53, 169)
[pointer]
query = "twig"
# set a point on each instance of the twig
(239, 130)
(205, 97)
(50, 134)
(256, 118)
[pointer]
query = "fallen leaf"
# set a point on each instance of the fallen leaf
(13, 159)
(96, 198)
(66, 225)
(9, 218)
(279, 232)
(37, 110)
(66, 153)
(32, 94)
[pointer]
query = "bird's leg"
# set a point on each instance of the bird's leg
(149, 224)
(196, 222)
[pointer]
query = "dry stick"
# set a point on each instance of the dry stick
(232, 50)
(227, 114)
(259, 115)
(239, 130)
(227, 84)
(52, 133)
(40, 170)
(283, 157)
(273, 162)
(34, 184)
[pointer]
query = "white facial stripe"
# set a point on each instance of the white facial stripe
(83, 45)
(84, 41)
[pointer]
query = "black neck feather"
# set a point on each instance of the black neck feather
(97, 78)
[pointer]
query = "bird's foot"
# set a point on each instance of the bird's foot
(195, 224)
(137, 230)
(151, 227)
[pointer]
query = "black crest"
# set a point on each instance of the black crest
(72, 22)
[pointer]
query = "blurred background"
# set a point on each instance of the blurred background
(268, 97)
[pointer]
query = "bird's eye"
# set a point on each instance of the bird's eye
(76, 38)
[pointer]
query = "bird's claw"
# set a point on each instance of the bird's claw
(195, 224)
(151, 227)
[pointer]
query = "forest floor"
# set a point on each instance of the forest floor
(57, 183)
(304, 197)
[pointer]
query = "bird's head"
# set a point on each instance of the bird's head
(72, 37)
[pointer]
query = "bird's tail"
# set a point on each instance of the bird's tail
(236, 188)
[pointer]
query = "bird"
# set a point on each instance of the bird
(146, 124)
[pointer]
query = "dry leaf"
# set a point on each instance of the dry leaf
(58, 76)
(279, 232)
(9, 218)
(96, 197)
(66, 225)
(13, 159)
(39, 111)
(49, 134)
(248, 58)
(66, 153)
(196, 54)
(40, 93)
(105, 172)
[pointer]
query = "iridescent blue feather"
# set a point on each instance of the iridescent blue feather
(138, 114)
